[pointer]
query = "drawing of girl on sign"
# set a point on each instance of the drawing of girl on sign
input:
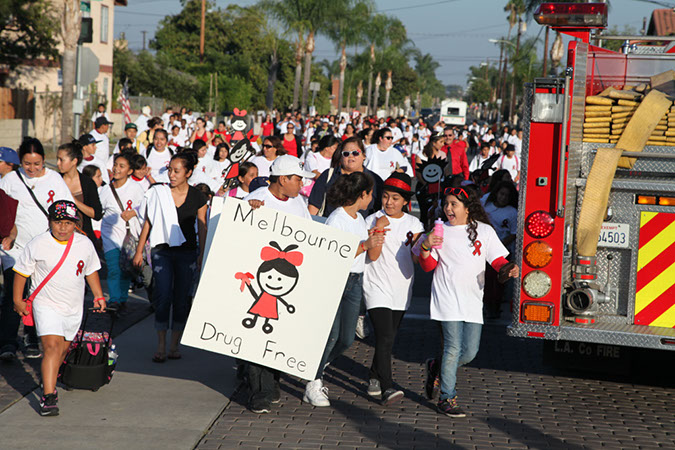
(277, 276)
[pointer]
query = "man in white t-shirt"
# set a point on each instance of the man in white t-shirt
(509, 161)
(286, 180)
(166, 118)
(142, 120)
(89, 157)
(101, 127)
(100, 112)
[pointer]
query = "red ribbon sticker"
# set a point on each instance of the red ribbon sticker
(391, 164)
(51, 196)
(477, 245)
(409, 238)
(129, 203)
(80, 266)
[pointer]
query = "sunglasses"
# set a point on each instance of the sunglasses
(387, 137)
(352, 153)
(455, 191)
(268, 146)
(449, 135)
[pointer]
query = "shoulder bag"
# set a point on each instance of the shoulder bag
(129, 246)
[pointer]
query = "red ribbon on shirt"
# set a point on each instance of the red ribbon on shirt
(51, 196)
(129, 204)
(80, 267)
(477, 245)
(409, 238)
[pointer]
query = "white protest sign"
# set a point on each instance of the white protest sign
(269, 289)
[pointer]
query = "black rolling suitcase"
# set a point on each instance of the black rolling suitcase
(91, 358)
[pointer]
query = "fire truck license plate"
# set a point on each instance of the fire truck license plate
(614, 235)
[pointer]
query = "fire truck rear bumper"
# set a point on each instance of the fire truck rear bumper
(601, 333)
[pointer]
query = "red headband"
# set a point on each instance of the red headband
(395, 182)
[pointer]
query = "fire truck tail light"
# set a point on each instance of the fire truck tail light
(654, 200)
(539, 224)
(667, 201)
(572, 14)
(536, 284)
(537, 312)
(538, 254)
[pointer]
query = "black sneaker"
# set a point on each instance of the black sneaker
(8, 353)
(390, 396)
(260, 406)
(276, 394)
(32, 351)
(48, 405)
(431, 384)
(450, 408)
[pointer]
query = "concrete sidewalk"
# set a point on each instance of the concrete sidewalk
(147, 405)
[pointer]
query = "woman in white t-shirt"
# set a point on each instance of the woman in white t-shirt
(458, 259)
(57, 307)
(220, 166)
(271, 148)
(388, 278)
(115, 222)
(351, 193)
(320, 160)
(47, 186)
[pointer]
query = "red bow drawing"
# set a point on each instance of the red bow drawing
(269, 253)
(245, 279)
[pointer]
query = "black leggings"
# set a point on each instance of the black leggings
(386, 323)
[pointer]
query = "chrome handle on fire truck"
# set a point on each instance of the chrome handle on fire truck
(560, 210)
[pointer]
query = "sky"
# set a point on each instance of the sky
(455, 32)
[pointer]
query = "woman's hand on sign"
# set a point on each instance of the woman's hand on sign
(433, 240)
(21, 307)
(255, 204)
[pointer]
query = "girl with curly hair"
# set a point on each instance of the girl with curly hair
(458, 260)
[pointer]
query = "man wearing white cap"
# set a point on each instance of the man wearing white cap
(142, 121)
(286, 176)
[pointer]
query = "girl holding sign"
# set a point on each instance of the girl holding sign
(388, 278)
(458, 259)
(351, 193)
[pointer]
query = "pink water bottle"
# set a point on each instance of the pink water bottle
(438, 231)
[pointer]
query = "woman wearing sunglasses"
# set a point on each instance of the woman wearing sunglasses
(383, 158)
(349, 158)
(458, 261)
(271, 148)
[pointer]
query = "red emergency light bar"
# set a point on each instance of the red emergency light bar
(572, 15)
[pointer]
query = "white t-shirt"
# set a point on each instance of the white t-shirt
(510, 164)
(159, 163)
(396, 134)
(202, 172)
(263, 165)
(219, 170)
(342, 221)
(165, 120)
(293, 205)
(64, 292)
(423, 134)
(238, 193)
(388, 281)
(459, 278)
(142, 123)
(144, 183)
(103, 147)
(98, 162)
(30, 220)
(383, 163)
(315, 161)
(478, 161)
(97, 114)
(113, 227)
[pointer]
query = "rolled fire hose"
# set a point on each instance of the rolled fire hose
(599, 182)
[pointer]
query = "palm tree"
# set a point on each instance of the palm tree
(347, 28)
(375, 33)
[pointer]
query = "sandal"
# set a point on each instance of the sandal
(175, 355)
(159, 357)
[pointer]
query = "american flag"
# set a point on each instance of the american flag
(124, 101)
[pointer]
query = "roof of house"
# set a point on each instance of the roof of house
(662, 22)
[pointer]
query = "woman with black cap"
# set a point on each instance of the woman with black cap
(388, 278)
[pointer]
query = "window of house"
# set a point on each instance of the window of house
(104, 23)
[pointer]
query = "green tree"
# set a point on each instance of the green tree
(28, 30)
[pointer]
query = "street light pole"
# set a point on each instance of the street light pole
(512, 103)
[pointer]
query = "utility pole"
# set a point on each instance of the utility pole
(545, 52)
(201, 33)
(143, 33)
(512, 103)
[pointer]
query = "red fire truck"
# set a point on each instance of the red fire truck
(628, 298)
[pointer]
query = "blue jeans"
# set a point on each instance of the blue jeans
(173, 271)
(118, 281)
(461, 341)
(342, 332)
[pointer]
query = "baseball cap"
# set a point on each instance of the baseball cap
(289, 165)
(63, 210)
(258, 182)
(130, 125)
(102, 121)
(8, 155)
(87, 139)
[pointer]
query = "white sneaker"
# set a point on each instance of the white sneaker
(316, 394)
(361, 328)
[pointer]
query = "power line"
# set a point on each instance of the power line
(417, 6)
